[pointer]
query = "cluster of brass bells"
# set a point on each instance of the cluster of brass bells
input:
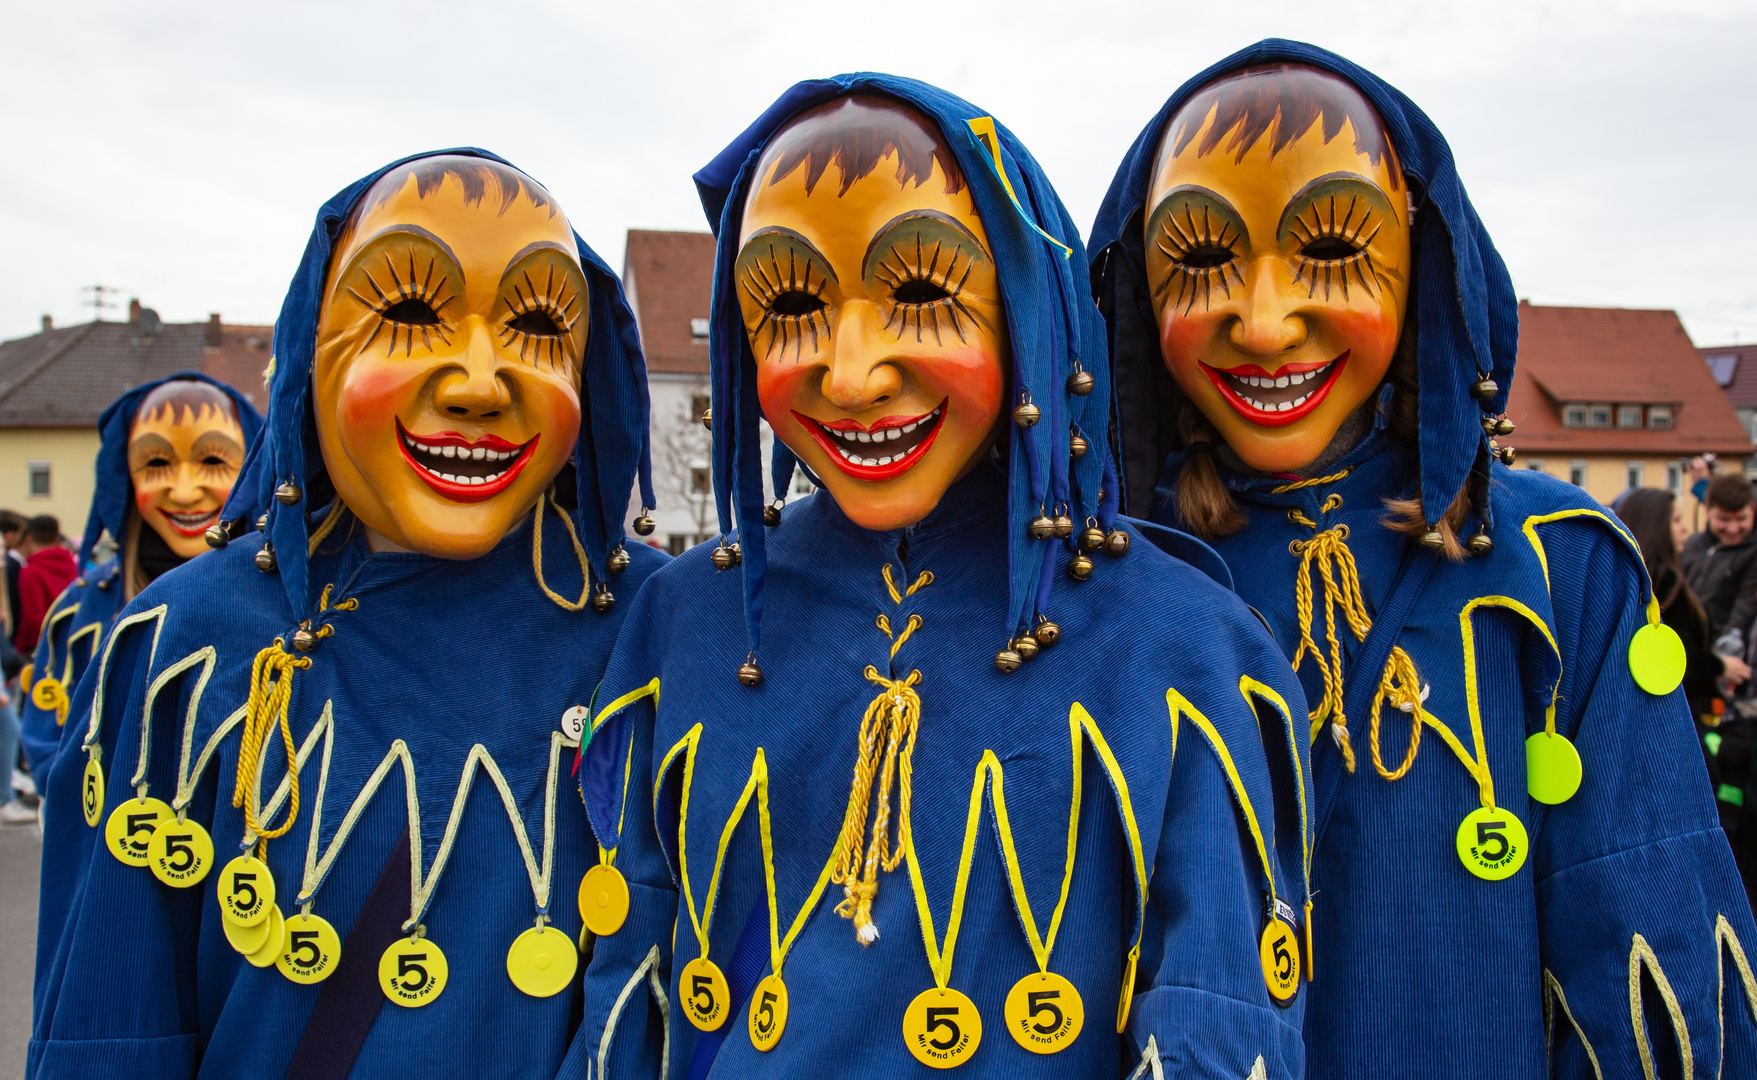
(288, 494)
(1008, 660)
(1027, 646)
(265, 559)
(749, 674)
(603, 600)
(618, 561)
(1080, 383)
(1503, 453)
(727, 556)
(1091, 538)
(1485, 389)
(772, 514)
(644, 525)
(1116, 543)
(1042, 527)
(1077, 445)
(1492, 425)
(1027, 415)
(1047, 633)
(708, 419)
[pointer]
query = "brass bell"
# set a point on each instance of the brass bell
(265, 559)
(708, 419)
(722, 558)
(262, 523)
(1027, 415)
(304, 640)
(1488, 425)
(288, 494)
(1064, 526)
(1026, 646)
(749, 674)
(1047, 633)
(772, 514)
(1116, 543)
(1091, 538)
(1080, 383)
(1503, 426)
(216, 536)
(618, 561)
(1079, 568)
(1042, 527)
(644, 525)
(1077, 446)
(1485, 389)
(1480, 544)
(1007, 660)
(1507, 456)
(1433, 539)
(603, 600)
(737, 554)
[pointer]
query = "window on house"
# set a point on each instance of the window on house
(698, 330)
(1534, 464)
(1577, 473)
(802, 484)
(1659, 417)
(699, 404)
(39, 479)
(1573, 415)
(1633, 471)
(1673, 479)
(1629, 416)
(678, 543)
(1598, 416)
(701, 481)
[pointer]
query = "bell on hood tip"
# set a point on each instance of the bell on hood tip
(749, 674)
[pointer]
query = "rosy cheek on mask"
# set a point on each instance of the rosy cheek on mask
(1367, 333)
(1184, 338)
(370, 399)
(144, 498)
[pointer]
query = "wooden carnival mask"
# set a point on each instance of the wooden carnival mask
(1278, 254)
(873, 308)
(449, 350)
(185, 447)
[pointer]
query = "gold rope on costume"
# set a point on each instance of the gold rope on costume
(330, 521)
(892, 719)
(271, 692)
(579, 552)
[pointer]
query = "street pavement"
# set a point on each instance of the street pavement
(21, 847)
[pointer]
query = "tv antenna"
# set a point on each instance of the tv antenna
(98, 301)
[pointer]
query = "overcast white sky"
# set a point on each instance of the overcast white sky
(178, 151)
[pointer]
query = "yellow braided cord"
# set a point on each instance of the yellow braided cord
(1328, 554)
(1402, 686)
(1313, 482)
(330, 521)
(884, 624)
(579, 553)
(271, 694)
(922, 581)
(891, 584)
(892, 719)
(913, 625)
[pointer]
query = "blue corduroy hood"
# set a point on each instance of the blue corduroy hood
(1462, 306)
(612, 451)
(113, 494)
(1053, 327)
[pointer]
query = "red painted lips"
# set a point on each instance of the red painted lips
(463, 469)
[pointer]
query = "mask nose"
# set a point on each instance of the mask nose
(1268, 325)
(860, 374)
(473, 389)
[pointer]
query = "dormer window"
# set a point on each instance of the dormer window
(1628, 416)
(1659, 417)
(698, 330)
(1573, 415)
(1598, 416)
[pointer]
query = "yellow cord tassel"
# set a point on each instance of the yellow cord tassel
(1402, 686)
(1328, 554)
(887, 744)
(271, 693)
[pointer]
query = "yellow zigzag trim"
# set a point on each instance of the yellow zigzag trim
(1642, 953)
(1725, 941)
(1553, 996)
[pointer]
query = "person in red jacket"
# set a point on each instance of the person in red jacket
(48, 568)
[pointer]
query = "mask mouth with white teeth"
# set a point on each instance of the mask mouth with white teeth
(191, 523)
(1277, 398)
(463, 469)
(889, 448)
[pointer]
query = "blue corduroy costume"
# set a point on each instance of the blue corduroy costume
(74, 628)
(430, 740)
(1119, 812)
(1620, 948)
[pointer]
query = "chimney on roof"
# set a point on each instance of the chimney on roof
(212, 340)
(48, 324)
(133, 310)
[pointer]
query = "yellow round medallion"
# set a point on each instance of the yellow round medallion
(130, 828)
(1656, 658)
(247, 892)
(1552, 768)
(768, 1013)
(247, 939)
(1044, 1013)
(603, 900)
(311, 950)
(47, 694)
(180, 853)
(1492, 843)
(91, 792)
(542, 961)
(705, 994)
(270, 949)
(411, 972)
(942, 1028)
(1278, 952)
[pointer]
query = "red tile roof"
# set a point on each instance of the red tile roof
(1738, 367)
(239, 360)
(669, 277)
(1616, 356)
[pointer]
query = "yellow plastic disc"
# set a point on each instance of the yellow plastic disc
(705, 994)
(91, 792)
(1656, 658)
(312, 948)
(270, 950)
(130, 828)
(1492, 843)
(247, 892)
(47, 694)
(603, 900)
(412, 973)
(768, 1013)
(1552, 768)
(942, 1028)
(25, 675)
(1278, 952)
(1126, 997)
(542, 961)
(1044, 1013)
(248, 939)
(180, 853)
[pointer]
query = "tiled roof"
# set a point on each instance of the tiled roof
(1616, 356)
(65, 377)
(669, 277)
(240, 359)
(1735, 369)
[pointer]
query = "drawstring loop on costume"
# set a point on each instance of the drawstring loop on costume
(579, 553)
(271, 694)
(1327, 553)
(887, 747)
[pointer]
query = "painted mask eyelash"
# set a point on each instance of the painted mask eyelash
(1332, 242)
(540, 320)
(924, 285)
(411, 305)
(1200, 254)
(792, 302)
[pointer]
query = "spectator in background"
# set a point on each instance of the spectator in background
(48, 568)
(13, 811)
(12, 527)
(1720, 563)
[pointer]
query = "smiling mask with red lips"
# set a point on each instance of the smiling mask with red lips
(185, 447)
(873, 309)
(1279, 261)
(448, 355)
